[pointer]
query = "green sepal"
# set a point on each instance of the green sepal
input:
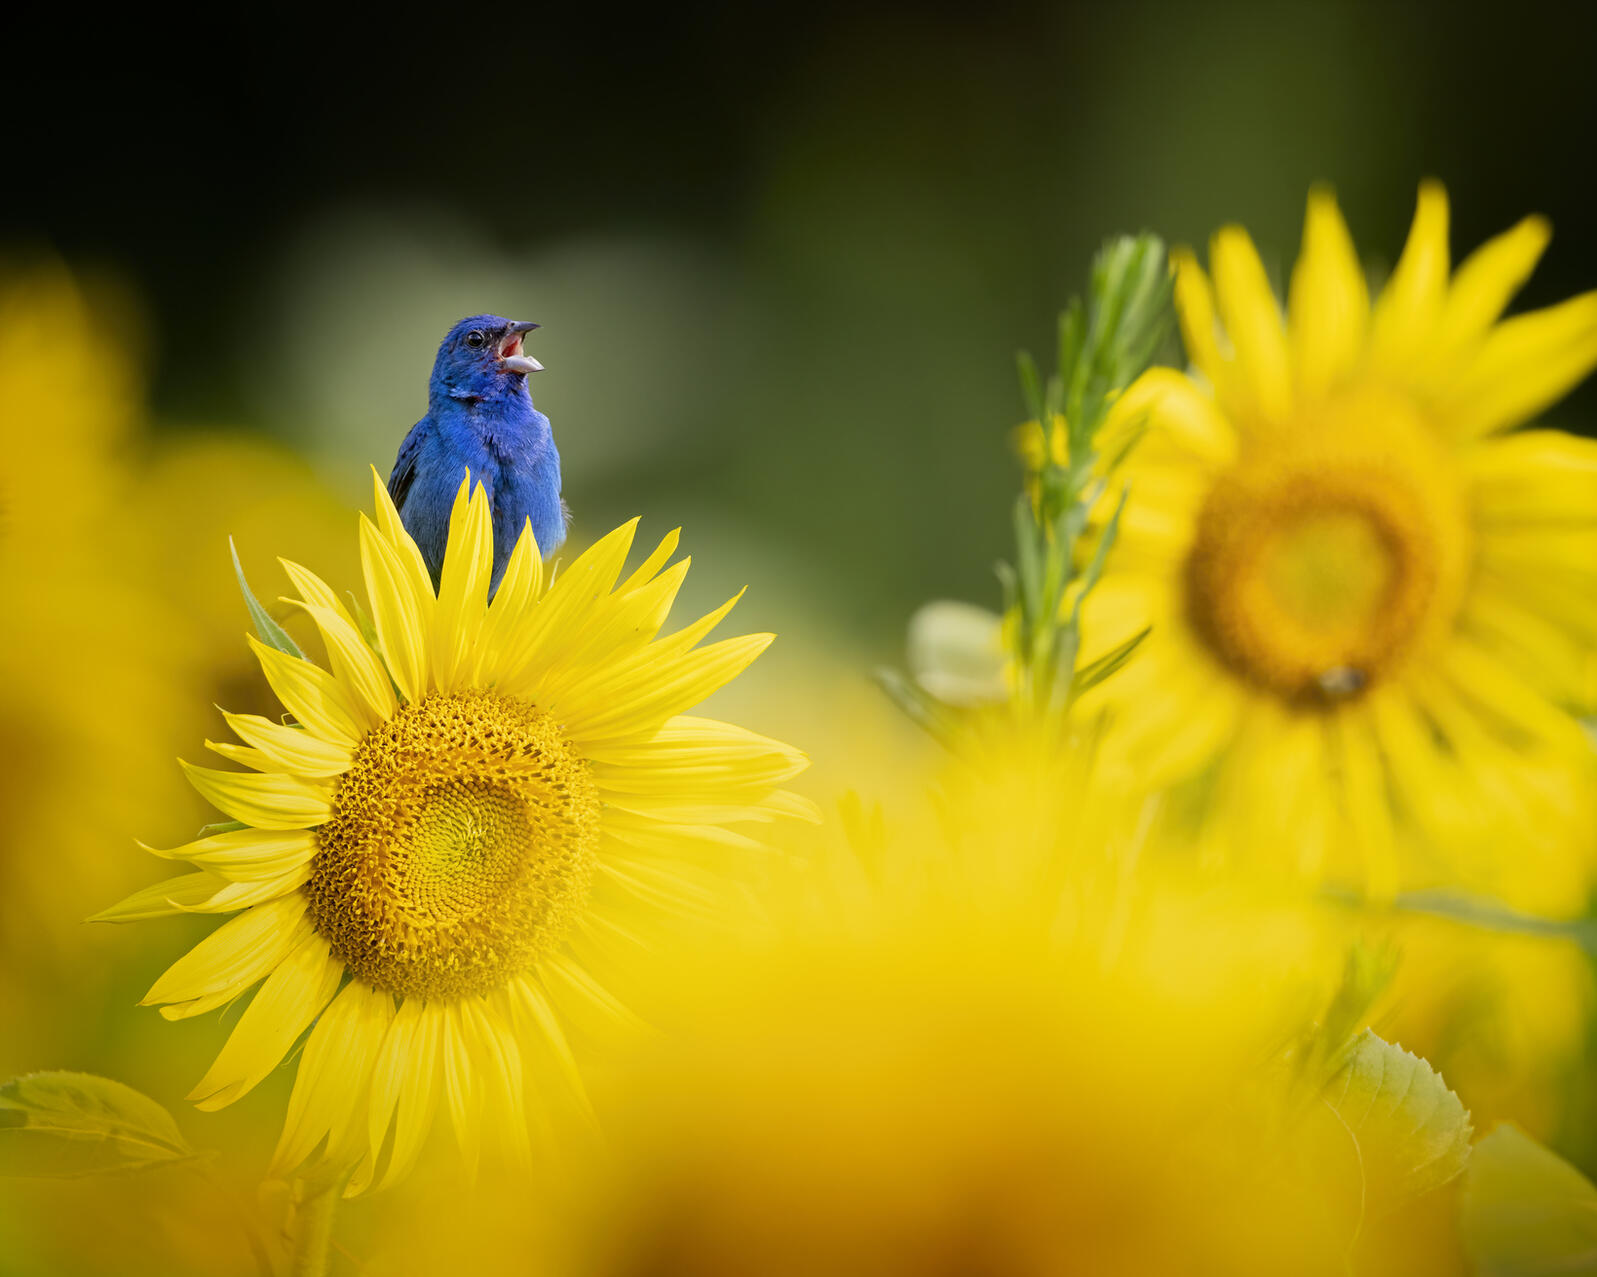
(1028, 564)
(1089, 676)
(1031, 391)
(368, 631)
(268, 630)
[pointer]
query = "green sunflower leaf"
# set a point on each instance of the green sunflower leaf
(1526, 1212)
(270, 632)
(76, 1124)
(1410, 1133)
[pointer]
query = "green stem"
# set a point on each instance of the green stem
(313, 1229)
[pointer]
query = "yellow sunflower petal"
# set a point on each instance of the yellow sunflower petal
(1159, 521)
(368, 692)
(575, 987)
(412, 566)
(230, 959)
(160, 899)
(1407, 310)
(243, 755)
(1488, 279)
(353, 662)
(508, 609)
(1451, 800)
(1179, 709)
(637, 616)
(579, 598)
(399, 612)
(462, 1094)
(313, 590)
(662, 885)
(1497, 778)
(1497, 691)
(654, 694)
(1174, 409)
(784, 802)
(1272, 779)
(492, 1043)
(530, 682)
(530, 1000)
(522, 582)
(405, 1084)
(1535, 477)
(1252, 320)
(652, 565)
(630, 668)
(266, 800)
(1524, 365)
(201, 893)
(290, 749)
(309, 693)
(1553, 568)
(648, 834)
(463, 588)
(1194, 301)
(1552, 652)
(1368, 805)
(697, 809)
(283, 1008)
(629, 625)
(246, 855)
(700, 755)
(330, 1088)
(1329, 306)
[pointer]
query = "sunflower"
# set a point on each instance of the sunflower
(1372, 597)
(458, 801)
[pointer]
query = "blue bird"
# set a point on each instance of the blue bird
(480, 418)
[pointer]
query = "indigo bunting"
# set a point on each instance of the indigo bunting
(480, 417)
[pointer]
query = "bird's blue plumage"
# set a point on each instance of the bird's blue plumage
(480, 418)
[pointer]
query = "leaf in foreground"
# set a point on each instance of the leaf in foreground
(74, 1124)
(1410, 1132)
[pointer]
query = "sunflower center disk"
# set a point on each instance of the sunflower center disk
(1320, 559)
(461, 847)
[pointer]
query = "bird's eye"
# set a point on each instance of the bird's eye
(475, 338)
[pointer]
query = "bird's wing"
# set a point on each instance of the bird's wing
(404, 471)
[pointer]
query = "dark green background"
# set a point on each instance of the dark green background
(783, 255)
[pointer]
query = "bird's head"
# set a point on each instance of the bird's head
(481, 358)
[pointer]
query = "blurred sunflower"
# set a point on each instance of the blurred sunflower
(1372, 599)
(99, 520)
(922, 1091)
(417, 850)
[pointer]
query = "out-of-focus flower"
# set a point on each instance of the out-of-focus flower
(104, 529)
(67, 402)
(1371, 599)
(459, 797)
(968, 1080)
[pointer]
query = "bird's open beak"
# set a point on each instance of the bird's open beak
(511, 357)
